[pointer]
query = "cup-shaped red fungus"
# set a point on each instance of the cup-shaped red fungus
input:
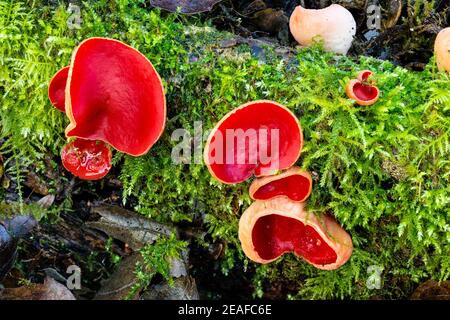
(270, 228)
(294, 183)
(87, 159)
(442, 49)
(363, 90)
(259, 137)
(115, 95)
(57, 87)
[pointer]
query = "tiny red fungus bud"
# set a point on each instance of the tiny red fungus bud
(363, 90)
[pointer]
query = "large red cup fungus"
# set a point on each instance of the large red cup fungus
(270, 228)
(362, 89)
(115, 95)
(259, 137)
(87, 159)
(56, 88)
(294, 183)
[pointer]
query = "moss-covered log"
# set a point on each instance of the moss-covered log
(382, 171)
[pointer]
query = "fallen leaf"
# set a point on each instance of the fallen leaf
(127, 226)
(179, 266)
(47, 201)
(36, 183)
(432, 290)
(20, 226)
(183, 288)
(119, 284)
(49, 290)
(8, 251)
(270, 20)
(391, 13)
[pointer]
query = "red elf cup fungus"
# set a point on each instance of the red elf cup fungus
(362, 89)
(334, 25)
(294, 183)
(442, 50)
(270, 228)
(259, 137)
(115, 95)
(56, 88)
(87, 159)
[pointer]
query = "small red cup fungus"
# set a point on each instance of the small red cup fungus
(57, 87)
(87, 159)
(363, 90)
(259, 137)
(115, 95)
(294, 183)
(270, 228)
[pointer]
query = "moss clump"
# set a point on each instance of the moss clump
(383, 171)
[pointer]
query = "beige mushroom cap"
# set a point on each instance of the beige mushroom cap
(442, 50)
(334, 25)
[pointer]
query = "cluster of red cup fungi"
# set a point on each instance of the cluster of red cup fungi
(363, 89)
(113, 97)
(276, 222)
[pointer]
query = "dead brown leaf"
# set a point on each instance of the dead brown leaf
(127, 226)
(432, 290)
(49, 290)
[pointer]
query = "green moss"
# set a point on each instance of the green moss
(382, 171)
(156, 259)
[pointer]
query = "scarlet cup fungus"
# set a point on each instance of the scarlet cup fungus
(270, 228)
(363, 90)
(334, 25)
(111, 94)
(259, 137)
(56, 88)
(442, 50)
(294, 183)
(87, 159)
(115, 95)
